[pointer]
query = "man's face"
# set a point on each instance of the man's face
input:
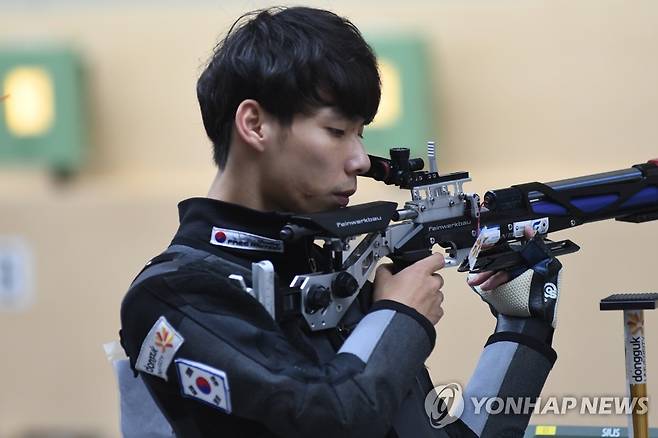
(312, 164)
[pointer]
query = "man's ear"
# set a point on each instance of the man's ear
(251, 124)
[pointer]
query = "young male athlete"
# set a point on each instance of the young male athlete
(284, 101)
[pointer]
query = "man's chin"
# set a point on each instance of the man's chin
(342, 201)
(322, 204)
(329, 206)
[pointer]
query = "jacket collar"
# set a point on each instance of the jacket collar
(221, 227)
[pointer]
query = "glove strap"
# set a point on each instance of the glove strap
(530, 342)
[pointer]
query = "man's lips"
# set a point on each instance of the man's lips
(344, 197)
(347, 193)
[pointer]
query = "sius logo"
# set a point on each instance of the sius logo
(444, 404)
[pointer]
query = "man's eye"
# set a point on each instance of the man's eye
(336, 132)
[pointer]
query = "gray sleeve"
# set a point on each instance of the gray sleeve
(140, 416)
(354, 395)
(512, 370)
(366, 335)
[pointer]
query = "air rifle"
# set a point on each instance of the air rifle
(441, 213)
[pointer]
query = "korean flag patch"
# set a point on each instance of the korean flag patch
(204, 383)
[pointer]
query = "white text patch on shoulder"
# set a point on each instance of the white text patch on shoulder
(158, 349)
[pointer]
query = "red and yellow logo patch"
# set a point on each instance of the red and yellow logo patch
(164, 339)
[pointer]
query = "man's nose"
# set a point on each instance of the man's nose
(359, 163)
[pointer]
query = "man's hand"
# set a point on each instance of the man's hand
(416, 286)
(533, 293)
(490, 280)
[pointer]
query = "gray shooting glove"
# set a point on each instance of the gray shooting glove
(534, 289)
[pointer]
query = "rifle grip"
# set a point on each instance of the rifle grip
(402, 261)
(399, 265)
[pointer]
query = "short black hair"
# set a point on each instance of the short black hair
(290, 60)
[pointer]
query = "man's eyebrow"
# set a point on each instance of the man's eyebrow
(336, 113)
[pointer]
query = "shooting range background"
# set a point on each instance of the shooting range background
(523, 90)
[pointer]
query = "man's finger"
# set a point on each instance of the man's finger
(440, 279)
(478, 279)
(432, 263)
(528, 232)
(384, 271)
(496, 280)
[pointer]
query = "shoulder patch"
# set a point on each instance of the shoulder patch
(204, 383)
(158, 349)
(244, 240)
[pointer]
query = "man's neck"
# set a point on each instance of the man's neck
(228, 186)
